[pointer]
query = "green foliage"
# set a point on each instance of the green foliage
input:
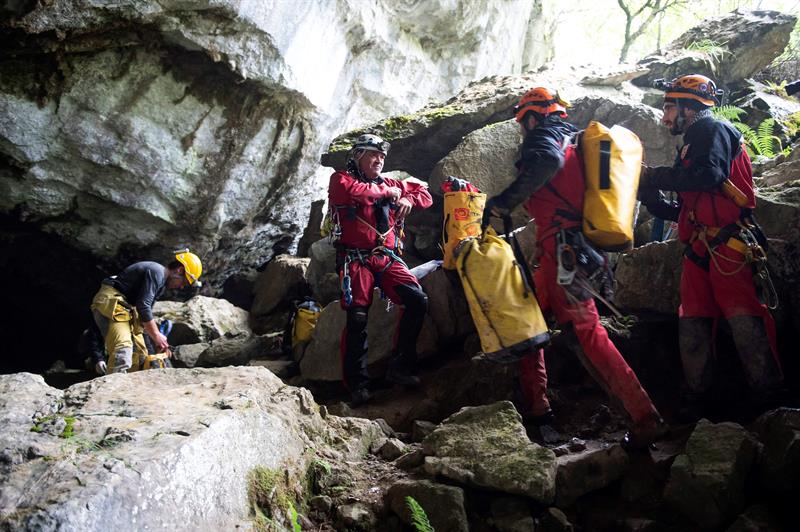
(69, 429)
(419, 519)
(778, 89)
(293, 519)
(793, 125)
(731, 113)
(713, 50)
(759, 141)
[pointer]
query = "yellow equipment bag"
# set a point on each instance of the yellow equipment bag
(463, 212)
(155, 360)
(304, 322)
(612, 164)
(503, 306)
(301, 328)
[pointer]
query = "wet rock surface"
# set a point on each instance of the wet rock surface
(487, 447)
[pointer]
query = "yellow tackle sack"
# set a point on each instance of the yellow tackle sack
(612, 164)
(503, 306)
(463, 212)
(303, 323)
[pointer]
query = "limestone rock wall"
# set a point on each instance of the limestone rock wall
(140, 124)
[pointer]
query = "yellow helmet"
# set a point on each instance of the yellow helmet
(191, 264)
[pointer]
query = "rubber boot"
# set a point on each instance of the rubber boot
(761, 368)
(403, 365)
(697, 353)
(354, 346)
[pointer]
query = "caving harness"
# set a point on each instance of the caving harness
(743, 236)
(362, 255)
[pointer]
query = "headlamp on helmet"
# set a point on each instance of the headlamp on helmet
(371, 142)
(695, 87)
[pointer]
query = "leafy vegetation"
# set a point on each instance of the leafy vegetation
(713, 50)
(419, 519)
(759, 141)
(779, 89)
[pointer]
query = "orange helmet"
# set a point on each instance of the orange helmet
(691, 87)
(540, 100)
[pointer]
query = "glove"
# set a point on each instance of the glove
(100, 368)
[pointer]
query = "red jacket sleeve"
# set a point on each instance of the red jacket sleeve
(344, 189)
(415, 192)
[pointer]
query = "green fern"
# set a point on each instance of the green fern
(713, 50)
(419, 519)
(779, 89)
(760, 141)
(730, 113)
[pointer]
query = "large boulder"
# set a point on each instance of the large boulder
(321, 359)
(594, 468)
(751, 40)
(486, 447)
(779, 464)
(321, 272)
(707, 482)
(202, 319)
(760, 103)
(648, 277)
(485, 158)
(447, 306)
(443, 504)
(625, 111)
(103, 455)
(283, 280)
(422, 139)
(162, 113)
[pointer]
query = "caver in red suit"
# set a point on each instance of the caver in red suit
(718, 230)
(368, 212)
(550, 178)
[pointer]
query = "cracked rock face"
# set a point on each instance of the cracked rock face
(751, 40)
(155, 449)
(140, 125)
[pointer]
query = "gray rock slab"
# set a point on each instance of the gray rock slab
(443, 504)
(153, 449)
(648, 277)
(512, 514)
(487, 447)
(706, 483)
(202, 319)
(593, 468)
(283, 280)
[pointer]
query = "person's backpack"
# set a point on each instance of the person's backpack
(612, 164)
